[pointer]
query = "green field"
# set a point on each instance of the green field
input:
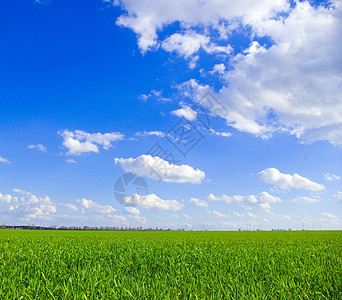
(170, 265)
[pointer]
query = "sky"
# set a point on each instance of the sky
(202, 115)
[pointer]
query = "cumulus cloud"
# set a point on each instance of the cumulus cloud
(187, 112)
(263, 200)
(331, 177)
(145, 18)
(132, 211)
(219, 68)
(295, 85)
(199, 202)
(152, 201)
(288, 181)
(188, 43)
(39, 147)
(5, 198)
(29, 206)
(305, 200)
(78, 142)
(185, 44)
(292, 84)
(92, 206)
(159, 169)
(4, 160)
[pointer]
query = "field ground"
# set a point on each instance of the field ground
(170, 265)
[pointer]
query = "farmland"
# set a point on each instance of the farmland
(170, 265)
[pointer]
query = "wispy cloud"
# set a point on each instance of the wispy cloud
(305, 200)
(4, 160)
(39, 147)
(150, 133)
(71, 161)
(331, 177)
(330, 216)
(154, 94)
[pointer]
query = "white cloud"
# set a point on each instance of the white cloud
(138, 218)
(118, 219)
(150, 133)
(338, 195)
(263, 200)
(146, 17)
(330, 216)
(193, 61)
(20, 191)
(293, 85)
(152, 201)
(237, 214)
(159, 169)
(223, 134)
(132, 210)
(218, 68)
(4, 160)
(70, 206)
(288, 181)
(218, 214)
(190, 42)
(199, 202)
(157, 95)
(39, 147)
(30, 207)
(187, 216)
(95, 207)
(305, 200)
(185, 44)
(71, 161)
(187, 112)
(6, 198)
(251, 215)
(79, 142)
(331, 177)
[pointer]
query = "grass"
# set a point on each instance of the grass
(170, 265)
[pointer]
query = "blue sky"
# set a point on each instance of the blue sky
(90, 89)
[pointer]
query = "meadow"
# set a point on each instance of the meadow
(170, 265)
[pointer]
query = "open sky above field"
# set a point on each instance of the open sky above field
(230, 110)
